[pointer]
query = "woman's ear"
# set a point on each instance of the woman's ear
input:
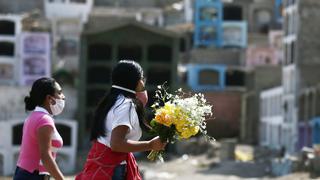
(49, 100)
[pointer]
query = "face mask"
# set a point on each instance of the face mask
(143, 97)
(58, 107)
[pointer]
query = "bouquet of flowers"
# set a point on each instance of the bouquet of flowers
(178, 116)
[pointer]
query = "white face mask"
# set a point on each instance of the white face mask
(58, 107)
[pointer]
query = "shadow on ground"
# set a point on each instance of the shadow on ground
(240, 169)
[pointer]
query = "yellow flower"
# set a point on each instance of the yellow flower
(163, 118)
(171, 114)
(186, 134)
(180, 127)
(195, 130)
(165, 115)
(186, 131)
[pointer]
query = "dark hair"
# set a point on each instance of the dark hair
(125, 74)
(40, 89)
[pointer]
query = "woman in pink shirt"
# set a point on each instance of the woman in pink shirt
(40, 139)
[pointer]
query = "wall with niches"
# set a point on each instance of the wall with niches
(12, 102)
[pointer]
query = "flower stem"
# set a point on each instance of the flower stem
(154, 155)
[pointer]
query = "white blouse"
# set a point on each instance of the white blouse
(123, 112)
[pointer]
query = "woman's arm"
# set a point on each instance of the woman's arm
(44, 137)
(120, 144)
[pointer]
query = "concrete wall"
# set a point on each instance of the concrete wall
(271, 118)
(308, 33)
(258, 39)
(68, 9)
(11, 64)
(307, 51)
(12, 102)
(233, 57)
(151, 16)
(136, 3)
(309, 75)
(263, 77)
(266, 77)
(14, 6)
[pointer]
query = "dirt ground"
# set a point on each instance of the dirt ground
(200, 167)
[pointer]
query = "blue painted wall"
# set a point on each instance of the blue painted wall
(315, 124)
(193, 77)
(278, 10)
(203, 21)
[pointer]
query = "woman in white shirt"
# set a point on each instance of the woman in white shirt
(117, 125)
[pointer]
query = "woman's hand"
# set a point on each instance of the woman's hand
(156, 144)
(119, 143)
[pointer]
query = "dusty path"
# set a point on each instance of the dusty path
(199, 168)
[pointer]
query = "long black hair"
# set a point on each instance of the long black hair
(125, 74)
(39, 91)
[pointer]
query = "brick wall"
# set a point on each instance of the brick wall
(227, 113)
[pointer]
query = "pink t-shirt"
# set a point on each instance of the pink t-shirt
(29, 158)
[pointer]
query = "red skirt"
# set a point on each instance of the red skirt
(101, 162)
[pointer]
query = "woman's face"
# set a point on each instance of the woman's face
(141, 86)
(51, 99)
(58, 94)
